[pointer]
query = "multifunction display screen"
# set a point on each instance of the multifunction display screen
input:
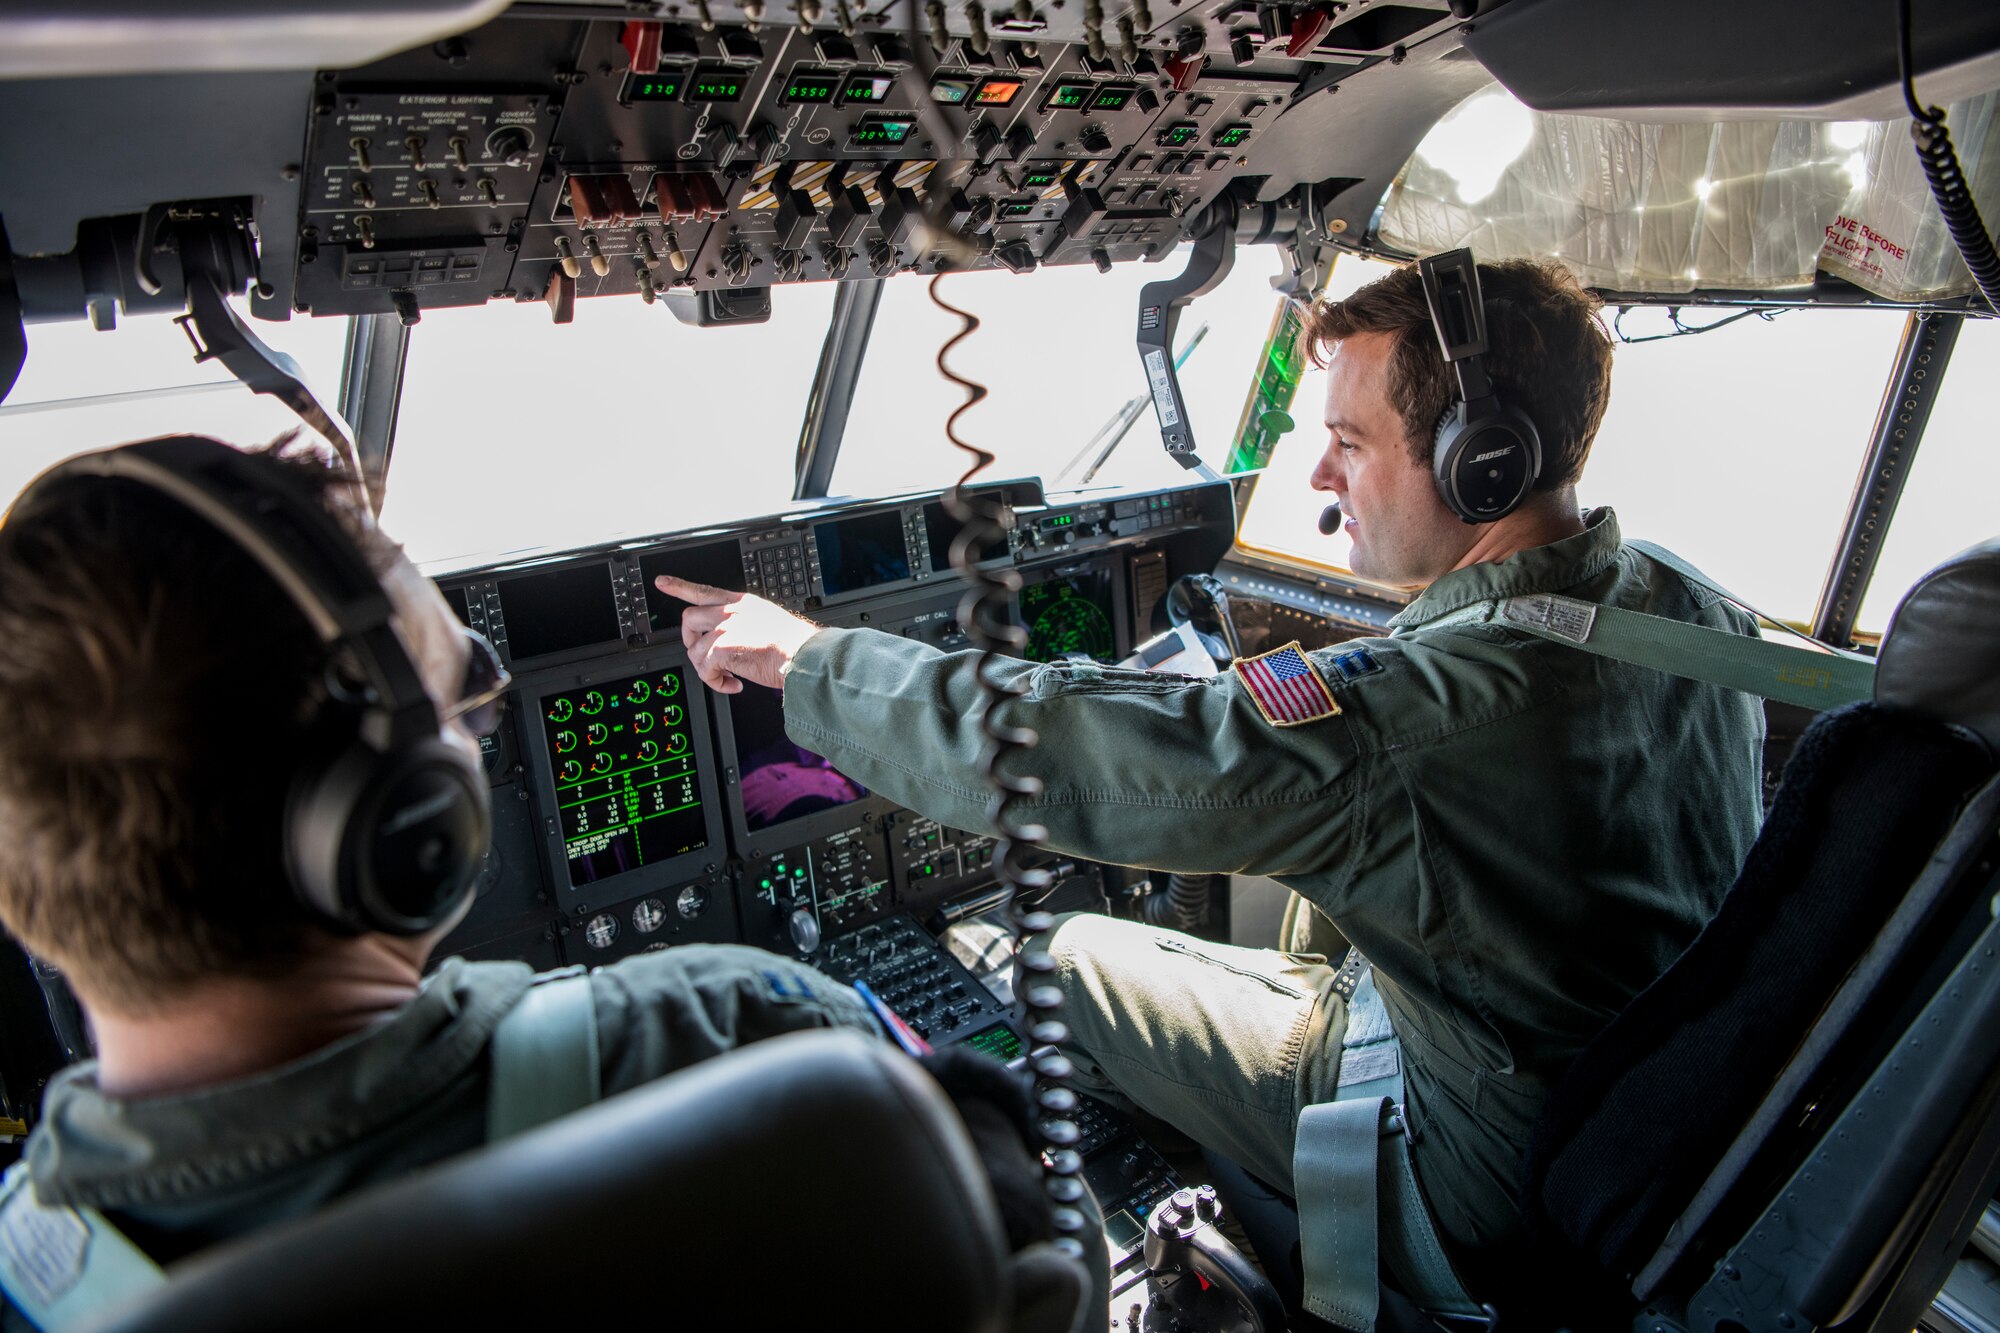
(857, 553)
(558, 611)
(718, 564)
(1073, 612)
(782, 780)
(627, 785)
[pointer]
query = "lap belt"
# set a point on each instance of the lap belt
(63, 1267)
(1818, 678)
(1359, 1201)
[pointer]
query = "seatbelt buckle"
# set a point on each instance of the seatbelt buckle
(1399, 1119)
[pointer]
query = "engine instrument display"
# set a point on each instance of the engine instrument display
(782, 780)
(559, 611)
(1071, 612)
(864, 552)
(622, 754)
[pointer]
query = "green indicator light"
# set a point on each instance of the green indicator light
(1229, 136)
(1178, 135)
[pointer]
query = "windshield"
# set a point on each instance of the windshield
(517, 433)
(82, 390)
(1736, 448)
(1056, 349)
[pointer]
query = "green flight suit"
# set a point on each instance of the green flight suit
(1517, 835)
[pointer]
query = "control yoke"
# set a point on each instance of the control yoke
(1160, 306)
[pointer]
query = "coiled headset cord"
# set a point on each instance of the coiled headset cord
(984, 616)
(1947, 177)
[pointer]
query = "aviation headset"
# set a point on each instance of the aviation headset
(1486, 452)
(385, 827)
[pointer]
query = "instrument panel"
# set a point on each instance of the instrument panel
(636, 810)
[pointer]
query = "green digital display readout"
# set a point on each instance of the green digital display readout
(881, 132)
(1067, 97)
(1229, 136)
(666, 86)
(809, 87)
(1017, 208)
(1178, 135)
(867, 87)
(1112, 97)
(997, 1041)
(1038, 178)
(711, 84)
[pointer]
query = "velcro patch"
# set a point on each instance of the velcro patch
(42, 1248)
(1354, 663)
(1286, 686)
(783, 987)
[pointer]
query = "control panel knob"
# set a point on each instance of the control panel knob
(736, 260)
(804, 929)
(1094, 140)
(510, 144)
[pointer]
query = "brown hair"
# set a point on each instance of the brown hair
(157, 690)
(1550, 355)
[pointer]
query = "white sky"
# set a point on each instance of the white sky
(1737, 448)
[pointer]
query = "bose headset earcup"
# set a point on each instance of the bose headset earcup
(1485, 453)
(1485, 466)
(388, 841)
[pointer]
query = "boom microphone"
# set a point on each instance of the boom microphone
(1329, 519)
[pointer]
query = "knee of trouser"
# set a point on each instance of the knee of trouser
(1091, 952)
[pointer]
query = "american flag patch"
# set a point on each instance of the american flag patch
(1287, 686)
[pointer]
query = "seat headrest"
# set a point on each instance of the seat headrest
(1941, 655)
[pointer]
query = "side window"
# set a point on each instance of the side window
(82, 390)
(1948, 502)
(1736, 448)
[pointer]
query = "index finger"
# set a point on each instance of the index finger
(699, 594)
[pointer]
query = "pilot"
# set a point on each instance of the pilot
(1517, 836)
(158, 691)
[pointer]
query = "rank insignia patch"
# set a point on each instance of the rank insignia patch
(1353, 663)
(1287, 687)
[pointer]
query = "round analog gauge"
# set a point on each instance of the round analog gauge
(673, 715)
(600, 762)
(692, 902)
(640, 692)
(571, 770)
(595, 733)
(565, 742)
(601, 931)
(560, 710)
(649, 750)
(593, 703)
(649, 915)
(670, 685)
(642, 722)
(676, 743)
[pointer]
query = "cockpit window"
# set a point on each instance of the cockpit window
(516, 432)
(1056, 348)
(1948, 504)
(82, 390)
(1736, 447)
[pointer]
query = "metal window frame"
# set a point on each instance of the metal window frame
(371, 393)
(840, 359)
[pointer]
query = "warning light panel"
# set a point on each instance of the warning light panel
(1230, 136)
(1178, 135)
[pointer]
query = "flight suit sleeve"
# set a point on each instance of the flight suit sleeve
(1173, 773)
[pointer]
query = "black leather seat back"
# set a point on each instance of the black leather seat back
(812, 1181)
(1650, 1108)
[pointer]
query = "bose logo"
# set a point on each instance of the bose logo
(1492, 454)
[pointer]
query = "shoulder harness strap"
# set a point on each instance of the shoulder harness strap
(62, 1267)
(545, 1061)
(1818, 677)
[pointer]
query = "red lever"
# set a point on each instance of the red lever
(1308, 26)
(642, 43)
(1184, 70)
